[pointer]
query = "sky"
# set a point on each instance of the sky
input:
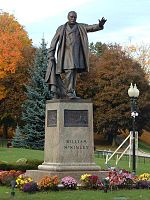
(128, 21)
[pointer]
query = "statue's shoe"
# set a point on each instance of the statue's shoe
(72, 95)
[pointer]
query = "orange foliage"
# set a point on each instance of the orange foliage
(3, 92)
(145, 137)
(13, 39)
(141, 53)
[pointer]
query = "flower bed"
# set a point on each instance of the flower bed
(7, 176)
(121, 179)
(116, 179)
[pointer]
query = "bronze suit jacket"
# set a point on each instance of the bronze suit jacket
(59, 42)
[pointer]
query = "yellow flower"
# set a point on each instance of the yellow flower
(144, 176)
(84, 177)
(21, 182)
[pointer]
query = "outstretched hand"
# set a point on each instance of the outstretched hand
(102, 21)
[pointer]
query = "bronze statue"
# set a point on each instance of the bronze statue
(71, 43)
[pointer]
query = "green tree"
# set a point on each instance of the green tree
(107, 84)
(34, 106)
(98, 48)
(18, 138)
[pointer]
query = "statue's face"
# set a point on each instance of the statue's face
(72, 18)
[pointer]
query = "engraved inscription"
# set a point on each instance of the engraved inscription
(76, 144)
(51, 118)
(75, 118)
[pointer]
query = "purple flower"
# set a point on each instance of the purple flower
(30, 187)
(69, 182)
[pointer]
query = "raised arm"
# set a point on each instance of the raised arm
(102, 21)
(95, 27)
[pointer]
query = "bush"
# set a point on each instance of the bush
(21, 161)
(29, 165)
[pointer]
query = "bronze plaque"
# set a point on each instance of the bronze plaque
(51, 118)
(75, 118)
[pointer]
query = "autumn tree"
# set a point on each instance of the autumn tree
(13, 39)
(141, 53)
(107, 83)
(11, 105)
(16, 56)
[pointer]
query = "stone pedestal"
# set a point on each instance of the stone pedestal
(69, 148)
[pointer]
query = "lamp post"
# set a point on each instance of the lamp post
(133, 93)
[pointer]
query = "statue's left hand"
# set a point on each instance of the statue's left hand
(102, 21)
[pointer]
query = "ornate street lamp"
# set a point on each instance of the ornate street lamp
(133, 93)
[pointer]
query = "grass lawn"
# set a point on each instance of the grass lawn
(144, 147)
(13, 154)
(80, 195)
(124, 163)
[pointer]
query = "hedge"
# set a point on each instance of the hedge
(29, 165)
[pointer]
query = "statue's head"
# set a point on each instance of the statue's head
(72, 16)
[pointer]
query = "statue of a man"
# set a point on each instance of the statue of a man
(71, 43)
